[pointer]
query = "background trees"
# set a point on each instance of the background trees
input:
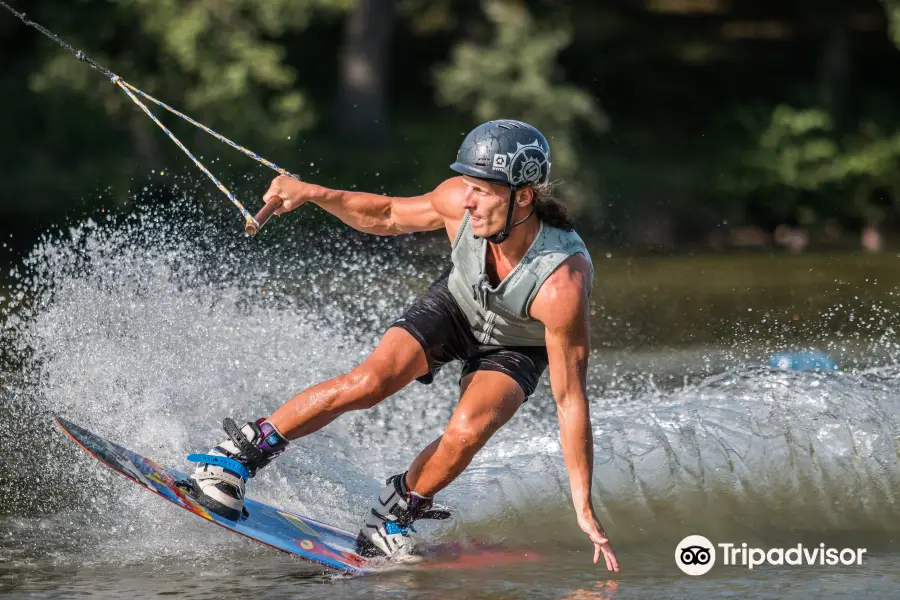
(668, 118)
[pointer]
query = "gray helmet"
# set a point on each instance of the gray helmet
(506, 151)
(509, 152)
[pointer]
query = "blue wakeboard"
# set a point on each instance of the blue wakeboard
(280, 529)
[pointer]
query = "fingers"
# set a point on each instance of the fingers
(611, 563)
(285, 206)
(601, 544)
(277, 189)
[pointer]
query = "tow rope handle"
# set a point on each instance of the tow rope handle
(253, 226)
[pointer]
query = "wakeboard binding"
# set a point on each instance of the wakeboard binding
(389, 521)
(220, 479)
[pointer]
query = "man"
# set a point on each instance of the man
(514, 300)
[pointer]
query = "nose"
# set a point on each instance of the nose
(469, 199)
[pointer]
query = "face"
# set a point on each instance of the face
(486, 203)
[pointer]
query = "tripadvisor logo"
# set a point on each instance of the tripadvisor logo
(696, 555)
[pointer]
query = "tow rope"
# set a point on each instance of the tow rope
(252, 224)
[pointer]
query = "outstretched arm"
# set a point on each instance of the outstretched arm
(562, 305)
(374, 213)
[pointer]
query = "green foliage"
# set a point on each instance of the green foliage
(802, 165)
(221, 59)
(515, 74)
(427, 16)
(684, 154)
(892, 9)
(796, 149)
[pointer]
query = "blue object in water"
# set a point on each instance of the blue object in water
(806, 360)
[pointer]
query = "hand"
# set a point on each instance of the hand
(294, 192)
(591, 526)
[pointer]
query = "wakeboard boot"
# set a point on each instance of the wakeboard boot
(389, 521)
(220, 479)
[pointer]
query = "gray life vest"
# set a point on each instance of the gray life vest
(499, 316)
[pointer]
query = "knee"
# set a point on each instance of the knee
(465, 436)
(365, 388)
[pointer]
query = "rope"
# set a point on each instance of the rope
(78, 53)
(131, 91)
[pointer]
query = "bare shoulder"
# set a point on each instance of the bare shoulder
(447, 200)
(441, 208)
(562, 301)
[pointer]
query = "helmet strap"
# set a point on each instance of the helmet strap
(499, 238)
(523, 219)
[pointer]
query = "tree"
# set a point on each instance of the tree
(220, 61)
(892, 9)
(514, 74)
(364, 69)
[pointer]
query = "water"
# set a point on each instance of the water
(150, 334)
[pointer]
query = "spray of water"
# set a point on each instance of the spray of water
(149, 334)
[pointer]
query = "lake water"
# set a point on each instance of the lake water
(149, 335)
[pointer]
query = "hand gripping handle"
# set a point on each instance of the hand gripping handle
(254, 225)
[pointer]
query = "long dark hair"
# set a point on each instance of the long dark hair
(549, 208)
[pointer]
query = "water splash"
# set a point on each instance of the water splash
(150, 334)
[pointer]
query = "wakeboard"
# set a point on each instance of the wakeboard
(283, 530)
(280, 529)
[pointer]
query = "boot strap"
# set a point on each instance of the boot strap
(221, 461)
(254, 455)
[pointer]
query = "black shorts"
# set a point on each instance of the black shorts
(441, 327)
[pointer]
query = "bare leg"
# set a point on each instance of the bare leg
(396, 361)
(489, 399)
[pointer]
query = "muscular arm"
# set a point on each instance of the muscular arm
(385, 215)
(562, 305)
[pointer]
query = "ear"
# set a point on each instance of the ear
(525, 196)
